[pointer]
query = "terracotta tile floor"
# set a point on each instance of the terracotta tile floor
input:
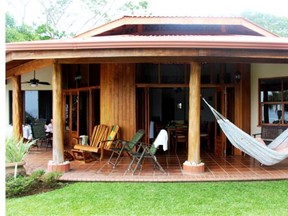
(234, 168)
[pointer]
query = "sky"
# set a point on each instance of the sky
(157, 7)
(217, 7)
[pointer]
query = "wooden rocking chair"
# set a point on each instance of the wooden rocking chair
(101, 139)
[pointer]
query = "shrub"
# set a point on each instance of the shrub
(16, 150)
(51, 178)
(37, 174)
(37, 182)
(19, 186)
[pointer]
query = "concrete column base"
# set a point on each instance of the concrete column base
(189, 168)
(64, 167)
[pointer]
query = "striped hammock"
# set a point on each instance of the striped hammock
(270, 154)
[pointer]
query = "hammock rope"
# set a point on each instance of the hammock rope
(265, 154)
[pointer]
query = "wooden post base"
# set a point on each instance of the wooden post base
(189, 168)
(64, 167)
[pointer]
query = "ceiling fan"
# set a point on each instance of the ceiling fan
(35, 82)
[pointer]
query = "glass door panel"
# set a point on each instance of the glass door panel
(83, 112)
(74, 106)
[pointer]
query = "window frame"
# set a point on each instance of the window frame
(282, 102)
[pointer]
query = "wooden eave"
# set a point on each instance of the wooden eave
(145, 49)
(128, 21)
(164, 41)
(177, 55)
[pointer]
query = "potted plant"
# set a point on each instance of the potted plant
(16, 150)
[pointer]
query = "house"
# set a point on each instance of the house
(137, 70)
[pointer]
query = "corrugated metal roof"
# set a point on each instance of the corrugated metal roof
(152, 41)
(178, 20)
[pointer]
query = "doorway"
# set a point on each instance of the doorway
(163, 93)
(223, 100)
(82, 113)
(158, 108)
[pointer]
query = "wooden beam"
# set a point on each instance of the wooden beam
(17, 119)
(189, 53)
(194, 114)
(58, 123)
(170, 60)
(28, 67)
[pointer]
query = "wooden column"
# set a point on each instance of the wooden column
(58, 164)
(242, 101)
(17, 107)
(193, 164)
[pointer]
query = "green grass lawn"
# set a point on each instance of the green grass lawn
(222, 198)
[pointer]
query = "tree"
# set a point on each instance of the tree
(64, 18)
(18, 33)
(275, 24)
(103, 11)
(131, 8)
(54, 12)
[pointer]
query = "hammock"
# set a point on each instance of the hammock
(270, 154)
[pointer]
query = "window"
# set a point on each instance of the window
(80, 75)
(218, 73)
(147, 73)
(162, 73)
(172, 73)
(37, 105)
(273, 100)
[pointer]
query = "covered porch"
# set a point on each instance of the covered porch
(109, 60)
(231, 168)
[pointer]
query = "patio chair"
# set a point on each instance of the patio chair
(101, 139)
(38, 131)
(121, 146)
(180, 136)
(148, 151)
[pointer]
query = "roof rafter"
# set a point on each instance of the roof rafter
(29, 66)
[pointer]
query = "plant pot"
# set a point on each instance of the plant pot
(10, 169)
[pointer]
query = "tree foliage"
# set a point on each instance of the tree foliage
(275, 24)
(103, 11)
(65, 18)
(18, 33)
(133, 8)
(55, 12)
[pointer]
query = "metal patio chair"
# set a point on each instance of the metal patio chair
(121, 146)
(146, 150)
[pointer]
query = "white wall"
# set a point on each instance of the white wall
(44, 74)
(262, 71)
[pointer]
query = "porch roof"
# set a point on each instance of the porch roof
(253, 44)
(152, 41)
